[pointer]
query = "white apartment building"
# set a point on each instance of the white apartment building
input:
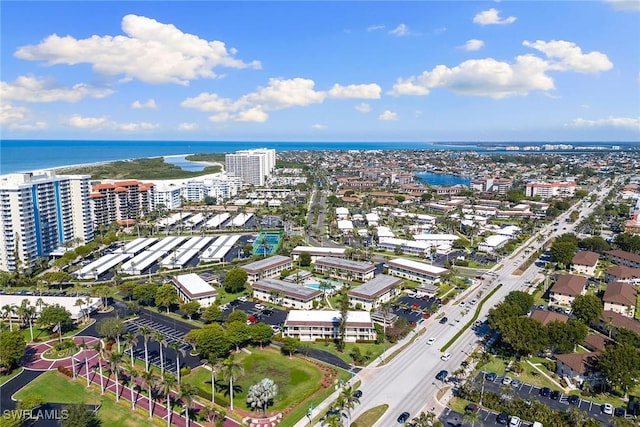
(170, 196)
(253, 166)
(39, 211)
(191, 287)
(311, 325)
(550, 189)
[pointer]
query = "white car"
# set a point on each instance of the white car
(431, 341)
(607, 408)
(473, 301)
(446, 356)
(514, 422)
(259, 307)
(506, 380)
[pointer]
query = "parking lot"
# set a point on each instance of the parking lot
(171, 335)
(532, 392)
(270, 316)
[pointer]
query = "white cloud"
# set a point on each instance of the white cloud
(473, 45)
(363, 107)
(400, 31)
(10, 113)
(388, 115)
(366, 91)
(624, 5)
(151, 103)
(151, 51)
(33, 89)
(492, 17)
(500, 79)
(98, 123)
(188, 126)
(569, 56)
(376, 27)
(319, 126)
(28, 126)
(78, 121)
(277, 95)
(616, 122)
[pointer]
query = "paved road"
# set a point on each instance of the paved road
(408, 382)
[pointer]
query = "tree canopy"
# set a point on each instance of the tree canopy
(586, 307)
(12, 347)
(620, 364)
(51, 315)
(165, 296)
(235, 280)
(210, 340)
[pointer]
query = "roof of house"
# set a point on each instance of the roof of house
(290, 290)
(596, 342)
(346, 264)
(624, 255)
(619, 321)
(375, 287)
(266, 263)
(194, 286)
(417, 267)
(623, 272)
(620, 293)
(569, 284)
(580, 363)
(546, 316)
(588, 258)
(327, 318)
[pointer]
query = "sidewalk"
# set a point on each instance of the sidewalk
(37, 362)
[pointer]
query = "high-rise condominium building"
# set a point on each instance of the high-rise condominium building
(121, 201)
(39, 212)
(253, 166)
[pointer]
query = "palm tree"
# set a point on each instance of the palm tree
(133, 374)
(84, 347)
(175, 345)
(471, 418)
(231, 370)
(187, 394)
(165, 389)
(146, 332)
(114, 360)
(162, 341)
(347, 401)
(8, 310)
(79, 303)
(149, 380)
(215, 366)
(100, 350)
(131, 340)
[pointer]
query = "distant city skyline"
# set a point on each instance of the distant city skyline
(313, 71)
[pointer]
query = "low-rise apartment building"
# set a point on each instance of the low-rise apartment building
(312, 325)
(345, 269)
(267, 267)
(375, 292)
(627, 259)
(566, 288)
(621, 297)
(192, 287)
(317, 252)
(621, 273)
(286, 294)
(585, 262)
(415, 271)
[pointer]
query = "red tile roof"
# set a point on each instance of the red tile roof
(620, 293)
(587, 258)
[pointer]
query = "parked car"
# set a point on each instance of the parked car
(506, 380)
(620, 412)
(442, 375)
(545, 391)
(490, 376)
(502, 418)
(607, 408)
(573, 399)
(472, 407)
(260, 307)
(555, 394)
(516, 383)
(515, 421)
(403, 418)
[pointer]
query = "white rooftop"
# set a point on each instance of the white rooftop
(327, 316)
(193, 284)
(495, 240)
(418, 265)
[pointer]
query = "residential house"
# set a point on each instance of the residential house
(578, 367)
(547, 316)
(584, 262)
(620, 297)
(566, 288)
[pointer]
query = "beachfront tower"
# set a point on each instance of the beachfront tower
(39, 212)
(253, 166)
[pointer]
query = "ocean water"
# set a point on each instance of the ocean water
(441, 179)
(28, 155)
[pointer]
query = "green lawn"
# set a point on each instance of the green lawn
(56, 388)
(497, 365)
(296, 378)
(370, 417)
(375, 349)
(5, 378)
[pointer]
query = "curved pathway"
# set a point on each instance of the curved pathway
(35, 360)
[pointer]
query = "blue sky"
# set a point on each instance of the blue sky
(379, 71)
